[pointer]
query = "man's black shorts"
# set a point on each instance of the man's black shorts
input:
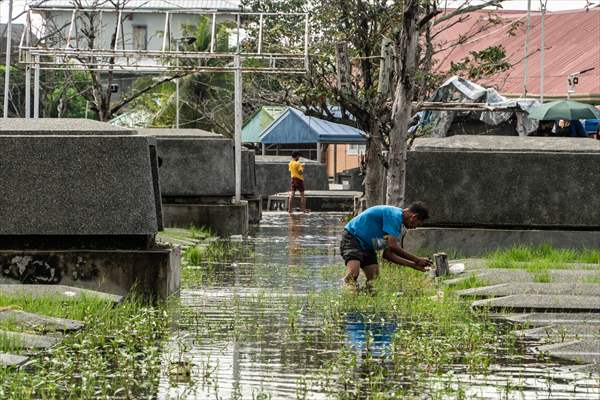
(351, 249)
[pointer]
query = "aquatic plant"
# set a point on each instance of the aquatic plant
(116, 354)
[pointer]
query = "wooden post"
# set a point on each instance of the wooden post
(441, 264)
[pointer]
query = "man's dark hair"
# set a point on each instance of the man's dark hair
(295, 154)
(420, 210)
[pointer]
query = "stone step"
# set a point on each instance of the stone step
(29, 341)
(545, 319)
(495, 276)
(41, 322)
(12, 360)
(560, 333)
(581, 351)
(57, 291)
(550, 303)
(507, 289)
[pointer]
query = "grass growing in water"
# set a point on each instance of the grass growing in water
(116, 354)
(428, 334)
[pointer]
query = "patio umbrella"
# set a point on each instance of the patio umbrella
(564, 109)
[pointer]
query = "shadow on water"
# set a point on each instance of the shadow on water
(244, 332)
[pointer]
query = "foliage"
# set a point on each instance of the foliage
(116, 355)
(541, 257)
(481, 64)
(205, 98)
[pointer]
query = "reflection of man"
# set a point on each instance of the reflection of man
(375, 228)
(297, 184)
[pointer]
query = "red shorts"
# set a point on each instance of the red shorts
(297, 185)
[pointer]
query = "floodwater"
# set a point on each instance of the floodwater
(284, 258)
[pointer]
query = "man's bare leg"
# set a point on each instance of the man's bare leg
(352, 273)
(371, 272)
(303, 201)
(291, 200)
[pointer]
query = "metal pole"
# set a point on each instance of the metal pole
(543, 4)
(260, 33)
(238, 127)
(36, 88)
(8, 50)
(526, 66)
(28, 86)
(318, 152)
(177, 95)
(212, 33)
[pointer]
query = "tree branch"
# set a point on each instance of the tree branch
(141, 92)
(465, 10)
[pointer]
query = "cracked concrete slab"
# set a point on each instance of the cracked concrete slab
(581, 351)
(60, 291)
(560, 333)
(29, 341)
(37, 321)
(545, 319)
(12, 360)
(507, 289)
(562, 303)
(495, 276)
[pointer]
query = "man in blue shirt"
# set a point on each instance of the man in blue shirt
(376, 228)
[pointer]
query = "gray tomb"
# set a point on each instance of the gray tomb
(197, 175)
(273, 176)
(486, 192)
(81, 206)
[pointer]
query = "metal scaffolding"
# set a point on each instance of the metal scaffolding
(239, 59)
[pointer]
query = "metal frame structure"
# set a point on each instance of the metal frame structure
(118, 59)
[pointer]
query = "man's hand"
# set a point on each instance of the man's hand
(423, 262)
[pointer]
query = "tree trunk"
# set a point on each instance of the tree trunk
(406, 52)
(374, 177)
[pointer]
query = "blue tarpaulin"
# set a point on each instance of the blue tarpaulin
(294, 127)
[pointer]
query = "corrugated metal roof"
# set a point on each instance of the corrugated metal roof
(259, 121)
(294, 127)
(223, 5)
(572, 42)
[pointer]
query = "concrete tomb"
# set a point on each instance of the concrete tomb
(504, 190)
(273, 176)
(197, 176)
(81, 205)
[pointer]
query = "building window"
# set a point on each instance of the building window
(356, 149)
(140, 37)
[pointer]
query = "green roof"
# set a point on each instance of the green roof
(259, 121)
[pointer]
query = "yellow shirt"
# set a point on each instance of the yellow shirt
(296, 169)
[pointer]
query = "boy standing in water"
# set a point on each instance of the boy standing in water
(376, 228)
(297, 174)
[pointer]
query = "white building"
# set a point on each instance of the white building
(143, 21)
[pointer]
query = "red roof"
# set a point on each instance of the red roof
(572, 44)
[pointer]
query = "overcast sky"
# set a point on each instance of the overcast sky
(553, 5)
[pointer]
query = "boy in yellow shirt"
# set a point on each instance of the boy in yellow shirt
(297, 174)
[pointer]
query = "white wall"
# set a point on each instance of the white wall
(154, 22)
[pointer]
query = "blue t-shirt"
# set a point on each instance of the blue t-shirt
(375, 223)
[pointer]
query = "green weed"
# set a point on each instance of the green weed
(116, 354)
(541, 257)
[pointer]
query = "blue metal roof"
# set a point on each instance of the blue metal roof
(294, 127)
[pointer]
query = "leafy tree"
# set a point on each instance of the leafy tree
(368, 58)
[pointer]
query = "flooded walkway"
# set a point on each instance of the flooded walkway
(245, 332)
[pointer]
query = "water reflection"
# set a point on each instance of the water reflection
(364, 335)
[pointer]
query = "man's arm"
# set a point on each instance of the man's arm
(389, 255)
(394, 246)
